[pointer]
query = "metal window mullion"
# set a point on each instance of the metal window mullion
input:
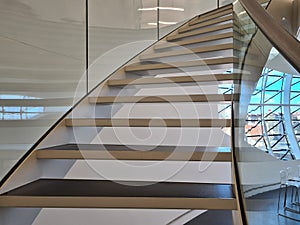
(284, 128)
(264, 125)
(288, 119)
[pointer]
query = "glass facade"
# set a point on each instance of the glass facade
(272, 112)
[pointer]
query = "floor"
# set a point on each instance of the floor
(213, 217)
(262, 210)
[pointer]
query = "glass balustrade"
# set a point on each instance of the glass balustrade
(267, 136)
(42, 60)
(54, 52)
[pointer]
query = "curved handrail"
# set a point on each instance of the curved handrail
(284, 42)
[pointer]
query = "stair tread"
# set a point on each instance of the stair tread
(113, 147)
(202, 19)
(175, 79)
(141, 122)
(71, 193)
(211, 13)
(135, 152)
(202, 49)
(217, 10)
(222, 8)
(73, 187)
(153, 66)
(200, 31)
(206, 23)
(164, 98)
(194, 40)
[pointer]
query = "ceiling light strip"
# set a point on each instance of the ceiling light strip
(161, 8)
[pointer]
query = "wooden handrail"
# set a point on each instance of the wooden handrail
(283, 41)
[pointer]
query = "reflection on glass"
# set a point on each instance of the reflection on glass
(267, 140)
(170, 19)
(225, 2)
(42, 60)
(19, 112)
(118, 32)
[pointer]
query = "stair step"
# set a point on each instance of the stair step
(203, 49)
(210, 17)
(204, 24)
(164, 98)
(201, 31)
(177, 79)
(123, 152)
(104, 122)
(71, 193)
(212, 12)
(37, 102)
(194, 41)
(177, 65)
(220, 9)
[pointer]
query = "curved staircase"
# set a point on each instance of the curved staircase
(178, 92)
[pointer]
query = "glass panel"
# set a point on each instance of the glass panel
(267, 135)
(225, 2)
(174, 12)
(44, 56)
(42, 60)
(117, 32)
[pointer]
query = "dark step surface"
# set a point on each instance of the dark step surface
(262, 209)
(135, 152)
(99, 188)
(215, 217)
(70, 193)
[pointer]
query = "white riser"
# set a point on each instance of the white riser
(152, 171)
(192, 56)
(111, 216)
(162, 136)
(170, 110)
(202, 44)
